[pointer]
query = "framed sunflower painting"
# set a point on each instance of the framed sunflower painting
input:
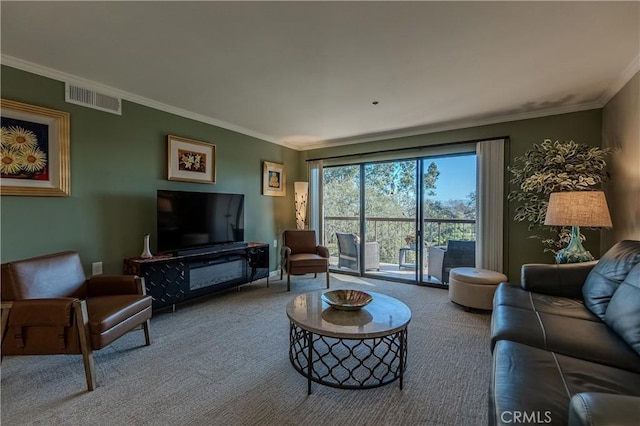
(191, 161)
(34, 150)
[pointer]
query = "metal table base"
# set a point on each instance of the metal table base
(353, 363)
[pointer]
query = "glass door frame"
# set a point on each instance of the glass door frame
(419, 223)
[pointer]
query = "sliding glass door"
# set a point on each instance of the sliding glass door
(341, 206)
(448, 213)
(385, 219)
(390, 218)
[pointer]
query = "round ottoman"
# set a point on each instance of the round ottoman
(473, 287)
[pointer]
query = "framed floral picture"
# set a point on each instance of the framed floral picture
(191, 161)
(34, 150)
(274, 180)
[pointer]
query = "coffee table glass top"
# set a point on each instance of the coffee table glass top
(383, 316)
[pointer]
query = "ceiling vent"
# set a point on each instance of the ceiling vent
(90, 98)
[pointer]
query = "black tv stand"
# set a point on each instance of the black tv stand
(174, 278)
(209, 249)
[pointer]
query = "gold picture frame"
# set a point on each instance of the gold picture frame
(35, 150)
(190, 161)
(274, 179)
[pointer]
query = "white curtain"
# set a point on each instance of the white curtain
(315, 197)
(490, 199)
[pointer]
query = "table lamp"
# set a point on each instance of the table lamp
(301, 189)
(576, 209)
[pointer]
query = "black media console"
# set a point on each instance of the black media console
(172, 279)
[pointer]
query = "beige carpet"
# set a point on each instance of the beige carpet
(224, 360)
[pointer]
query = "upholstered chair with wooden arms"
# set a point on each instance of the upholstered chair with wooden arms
(50, 307)
(301, 255)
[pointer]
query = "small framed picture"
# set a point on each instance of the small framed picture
(191, 161)
(274, 180)
(34, 150)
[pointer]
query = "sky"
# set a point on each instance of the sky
(457, 177)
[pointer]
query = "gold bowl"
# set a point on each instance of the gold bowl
(347, 300)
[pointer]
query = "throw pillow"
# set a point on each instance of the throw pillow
(604, 279)
(623, 312)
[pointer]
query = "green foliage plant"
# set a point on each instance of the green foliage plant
(552, 167)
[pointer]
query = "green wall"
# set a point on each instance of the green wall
(582, 127)
(117, 164)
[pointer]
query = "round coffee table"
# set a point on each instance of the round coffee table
(348, 349)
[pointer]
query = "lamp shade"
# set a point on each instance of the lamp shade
(579, 208)
(301, 189)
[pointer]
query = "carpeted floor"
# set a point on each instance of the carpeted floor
(224, 360)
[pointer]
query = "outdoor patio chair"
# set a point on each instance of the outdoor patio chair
(455, 254)
(349, 252)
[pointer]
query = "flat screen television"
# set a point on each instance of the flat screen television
(192, 220)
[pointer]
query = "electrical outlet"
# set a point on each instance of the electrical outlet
(275, 243)
(96, 268)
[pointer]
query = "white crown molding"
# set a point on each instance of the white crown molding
(453, 125)
(621, 81)
(628, 73)
(131, 97)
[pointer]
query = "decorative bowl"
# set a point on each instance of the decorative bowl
(347, 300)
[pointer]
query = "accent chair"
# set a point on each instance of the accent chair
(302, 255)
(49, 307)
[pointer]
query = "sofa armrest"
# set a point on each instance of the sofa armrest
(599, 409)
(106, 285)
(564, 280)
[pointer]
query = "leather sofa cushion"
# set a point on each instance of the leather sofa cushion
(623, 311)
(598, 408)
(588, 340)
(541, 383)
(604, 279)
(511, 295)
(564, 279)
(105, 312)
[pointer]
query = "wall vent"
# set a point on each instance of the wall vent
(90, 98)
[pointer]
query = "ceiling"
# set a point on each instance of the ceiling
(314, 74)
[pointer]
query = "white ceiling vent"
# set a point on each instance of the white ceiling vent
(92, 99)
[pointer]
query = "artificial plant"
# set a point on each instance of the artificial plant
(551, 167)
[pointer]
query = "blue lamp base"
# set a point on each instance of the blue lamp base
(575, 252)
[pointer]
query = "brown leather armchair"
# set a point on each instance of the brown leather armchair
(50, 307)
(301, 255)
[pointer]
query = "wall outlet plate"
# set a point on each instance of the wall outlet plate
(275, 243)
(96, 268)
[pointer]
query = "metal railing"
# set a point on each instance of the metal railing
(394, 233)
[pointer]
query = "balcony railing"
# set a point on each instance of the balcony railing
(390, 232)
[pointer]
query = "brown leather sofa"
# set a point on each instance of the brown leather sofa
(566, 343)
(301, 255)
(50, 307)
